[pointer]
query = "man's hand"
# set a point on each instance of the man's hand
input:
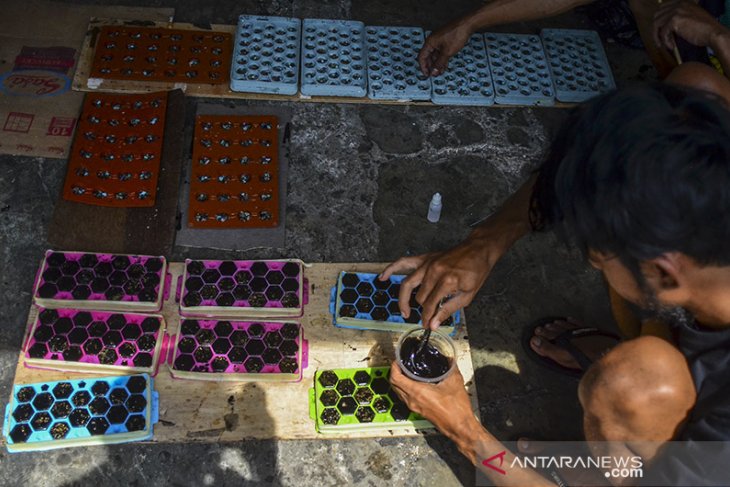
(445, 404)
(449, 280)
(687, 20)
(440, 46)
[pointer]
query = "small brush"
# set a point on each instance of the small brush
(424, 341)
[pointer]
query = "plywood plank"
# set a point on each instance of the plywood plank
(82, 82)
(204, 411)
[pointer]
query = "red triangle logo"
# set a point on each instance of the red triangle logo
(500, 456)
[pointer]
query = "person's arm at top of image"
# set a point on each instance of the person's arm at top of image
(461, 271)
(448, 40)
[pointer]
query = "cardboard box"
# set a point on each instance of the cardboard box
(39, 45)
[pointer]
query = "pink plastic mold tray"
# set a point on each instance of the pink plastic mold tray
(272, 288)
(235, 350)
(100, 281)
(80, 340)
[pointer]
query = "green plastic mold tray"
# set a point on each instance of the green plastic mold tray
(345, 400)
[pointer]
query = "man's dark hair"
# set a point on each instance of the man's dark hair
(639, 172)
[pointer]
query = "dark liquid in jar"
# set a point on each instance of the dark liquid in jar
(429, 364)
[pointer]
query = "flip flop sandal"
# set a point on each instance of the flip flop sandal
(564, 341)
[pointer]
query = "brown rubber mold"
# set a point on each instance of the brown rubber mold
(159, 54)
(115, 157)
(235, 175)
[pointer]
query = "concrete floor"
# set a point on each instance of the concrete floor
(359, 184)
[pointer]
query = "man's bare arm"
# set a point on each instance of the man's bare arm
(447, 41)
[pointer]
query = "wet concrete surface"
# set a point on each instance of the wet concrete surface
(360, 180)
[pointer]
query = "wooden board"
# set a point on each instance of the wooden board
(206, 411)
(82, 82)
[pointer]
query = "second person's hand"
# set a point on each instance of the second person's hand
(687, 20)
(440, 46)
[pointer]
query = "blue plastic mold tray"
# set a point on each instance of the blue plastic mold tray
(519, 70)
(362, 301)
(468, 80)
(578, 64)
(266, 55)
(393, 72)
(333, 58)
(80, 412)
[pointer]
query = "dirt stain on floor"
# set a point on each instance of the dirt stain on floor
(379, 465)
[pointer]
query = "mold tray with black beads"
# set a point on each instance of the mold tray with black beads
(578, 64)
(361, 300)
(161, 54)
(346, 400)
(243, 289)
(239, 351)
(95, 341)
(80, 412)
(117, 149)
(103, 282)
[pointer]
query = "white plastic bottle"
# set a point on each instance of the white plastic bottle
(434, 208)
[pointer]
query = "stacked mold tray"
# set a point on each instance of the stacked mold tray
(266, 55)
(362, 301)
(333, 58)
(98, 313)
(239, 321)
(80, 412)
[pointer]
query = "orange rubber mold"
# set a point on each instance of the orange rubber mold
(159, 54)
(235, 175)
(115, 157)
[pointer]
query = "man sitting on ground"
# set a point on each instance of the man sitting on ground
(640, 180)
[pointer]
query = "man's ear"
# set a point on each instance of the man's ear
(665, 274)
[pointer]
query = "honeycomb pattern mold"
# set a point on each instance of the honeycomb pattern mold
(80, 340)
(234, 350)
(80, 412)
(361, 300)
(355, 399)
(223, 289)
(105, 282)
